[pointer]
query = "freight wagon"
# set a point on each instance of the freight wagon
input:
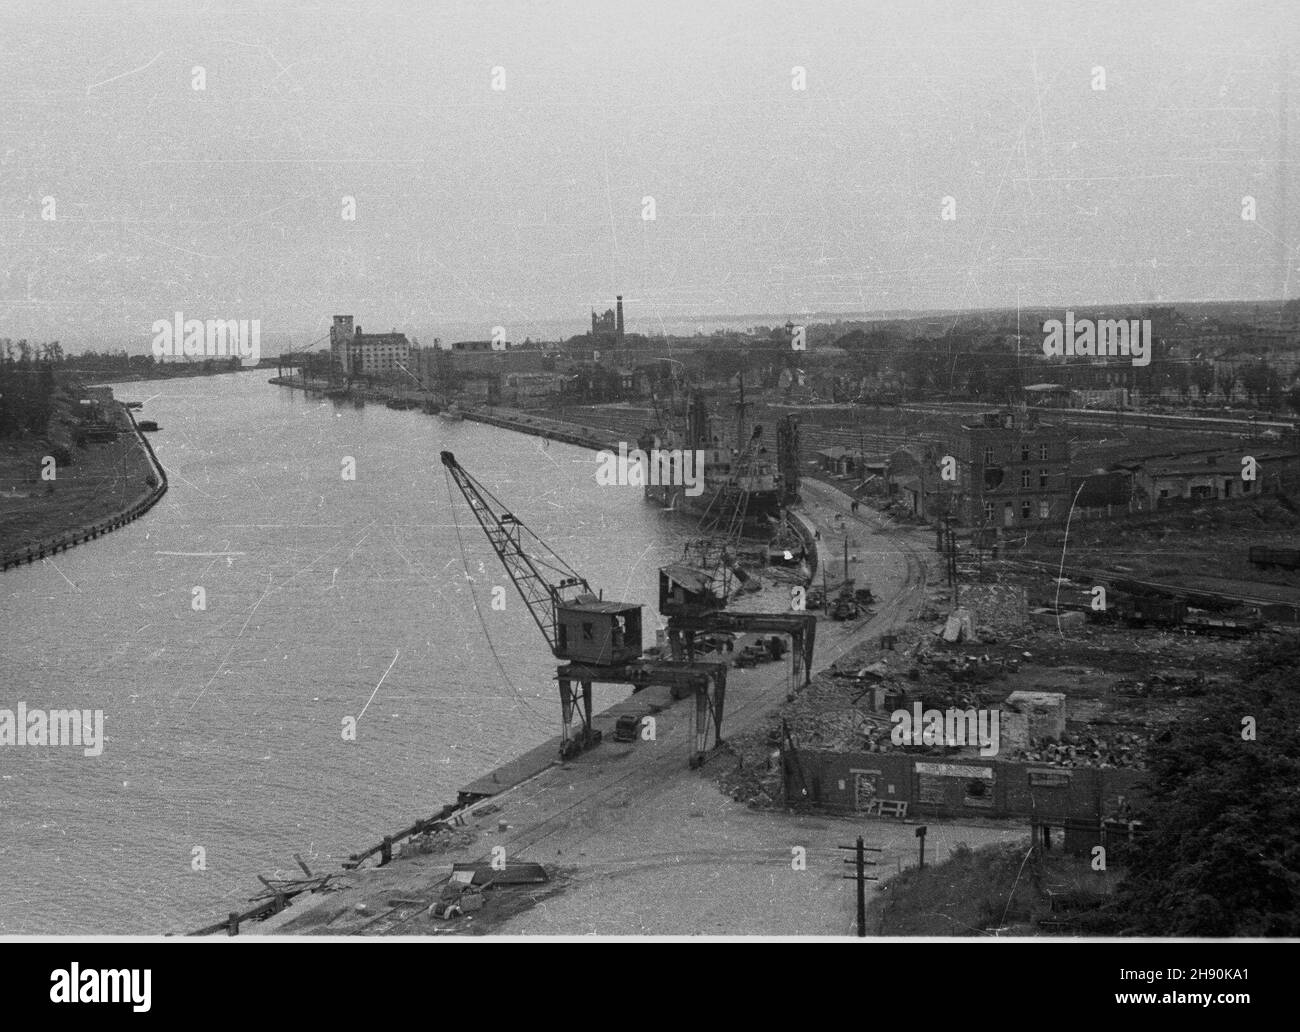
(1263, 556)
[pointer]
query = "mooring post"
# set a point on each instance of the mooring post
(232, 926)
(386, 851)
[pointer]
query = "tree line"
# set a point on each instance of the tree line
(27, 387)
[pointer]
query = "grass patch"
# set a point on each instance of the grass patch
(1002, 889)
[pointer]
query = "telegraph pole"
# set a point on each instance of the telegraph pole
(861, 877)
(950, 549)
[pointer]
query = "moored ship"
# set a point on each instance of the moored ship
(740, 481)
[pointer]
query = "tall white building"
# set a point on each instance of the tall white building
(368, 354)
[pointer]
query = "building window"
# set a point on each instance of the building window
(1044, 509)
(1024, 453)
(1024, 478)
(1042, 452)
(1042, 479)
(1246, 486)
(988, 456)
(1025, 510)
(988, 512)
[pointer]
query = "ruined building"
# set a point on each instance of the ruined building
(1013, 470)
(607, 329)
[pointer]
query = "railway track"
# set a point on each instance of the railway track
(1171, 590)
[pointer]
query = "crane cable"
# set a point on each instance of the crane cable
(464, 559)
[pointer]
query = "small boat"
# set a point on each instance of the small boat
(148, 426)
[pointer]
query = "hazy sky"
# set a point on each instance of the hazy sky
(478, 207)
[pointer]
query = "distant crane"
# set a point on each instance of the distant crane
(601, 641)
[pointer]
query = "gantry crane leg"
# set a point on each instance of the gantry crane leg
(571, 700)
(710, 696)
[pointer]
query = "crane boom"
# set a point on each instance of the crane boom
(540, 576)
(600, 640)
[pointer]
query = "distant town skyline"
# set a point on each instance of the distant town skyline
(427, 170)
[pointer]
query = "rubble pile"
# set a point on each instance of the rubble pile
(1002, 609)
(1160, 686)
(440, 840)
(1092, 747)
(756, 778)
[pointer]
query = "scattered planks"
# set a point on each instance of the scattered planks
(287, 888)
(280, 891)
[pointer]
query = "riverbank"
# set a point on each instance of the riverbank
(519, 421)
(48, 506)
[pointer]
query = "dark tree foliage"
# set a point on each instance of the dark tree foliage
(1222, 853)
(26, 394)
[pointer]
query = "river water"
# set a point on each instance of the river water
(224, 751)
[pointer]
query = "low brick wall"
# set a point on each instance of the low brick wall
(939, 787)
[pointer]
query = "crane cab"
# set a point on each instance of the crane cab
(686, 591)
(598, 633)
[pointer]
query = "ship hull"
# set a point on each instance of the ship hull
(762, 508)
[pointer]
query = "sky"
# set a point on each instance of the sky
(478, 206)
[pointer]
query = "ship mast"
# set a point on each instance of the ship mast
(741, 407)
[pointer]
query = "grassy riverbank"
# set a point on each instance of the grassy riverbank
(91, 482)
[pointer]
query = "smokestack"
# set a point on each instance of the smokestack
(619, 324)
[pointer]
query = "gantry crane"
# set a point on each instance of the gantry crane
(600, 641)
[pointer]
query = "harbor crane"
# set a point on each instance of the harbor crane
(598, 641)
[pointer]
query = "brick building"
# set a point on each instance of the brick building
(1013, 471)
(935, 786)
(356, 353)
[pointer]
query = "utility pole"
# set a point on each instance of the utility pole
(950, 550)
(920, 835)
(861, 877)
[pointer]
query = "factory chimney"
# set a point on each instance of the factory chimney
(619, 324)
